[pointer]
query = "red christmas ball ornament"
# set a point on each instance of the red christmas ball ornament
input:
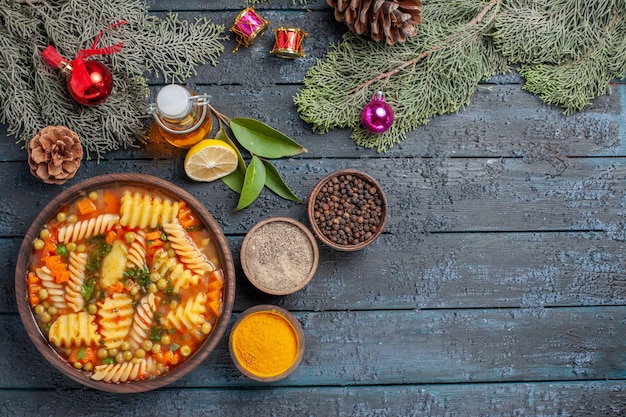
(88, 82)
(93, 86)
(377, 116)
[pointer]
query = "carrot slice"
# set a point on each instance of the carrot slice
(167, 357)
(86, 206)
(110, 203)
(110, 237)
(154, 235)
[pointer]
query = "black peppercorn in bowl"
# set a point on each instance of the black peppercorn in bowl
(347, 210)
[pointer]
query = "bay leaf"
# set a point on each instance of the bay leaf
(263, 140)
(274, 182)
(235, 179)
(253, 183)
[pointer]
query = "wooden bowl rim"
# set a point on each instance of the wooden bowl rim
(278, 219)
(311, 210)
(28, 319)
(299, 335)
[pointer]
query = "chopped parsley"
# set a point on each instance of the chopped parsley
(87, 289)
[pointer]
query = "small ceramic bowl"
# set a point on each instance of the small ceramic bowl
(347, 210)
(266, 343)
(279, 255)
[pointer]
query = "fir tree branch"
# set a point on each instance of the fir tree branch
(387, 75)
(33, 94)
(458, 55)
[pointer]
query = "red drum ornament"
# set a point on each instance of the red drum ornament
(377, 116)
(248, 27)
(88, 82)
(289, 43)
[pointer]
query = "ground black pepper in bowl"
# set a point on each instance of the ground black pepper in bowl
(347, 210)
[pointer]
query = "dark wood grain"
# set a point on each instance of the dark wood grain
(497, 288)
(395, 347)
(601, 398)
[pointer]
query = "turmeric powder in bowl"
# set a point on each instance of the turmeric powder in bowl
(266, 343)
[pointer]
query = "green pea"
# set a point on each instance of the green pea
(61, 217)
(53, 310)
(44, 233)
(206, 328)
(39, 309)
(130, 237)
(43, 294)
(93, 195)
(103, 353)
(156, 348)
(88, 366)
(185, 350)
(113, 352)
(72, 218)
(92, 308)
(166, 339)
(46, 317)
(71, 247)
(147, 345)
(77, 365)
(140, 353)
(161, 284)
(128, 355)
(125, 346)
(119, 358)
(152, 288)
(38, 244)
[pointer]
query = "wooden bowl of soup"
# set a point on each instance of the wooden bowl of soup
(125, 283)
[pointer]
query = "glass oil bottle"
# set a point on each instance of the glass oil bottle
(182, 116)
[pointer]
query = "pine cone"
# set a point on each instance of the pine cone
(54, 154)
(392, 20)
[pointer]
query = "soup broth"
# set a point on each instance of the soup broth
(125, 283)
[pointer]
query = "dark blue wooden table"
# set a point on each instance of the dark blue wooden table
(497, 289)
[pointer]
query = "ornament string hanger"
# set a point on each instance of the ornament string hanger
(80, 80)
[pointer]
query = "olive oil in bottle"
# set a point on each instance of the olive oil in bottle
(182, 117)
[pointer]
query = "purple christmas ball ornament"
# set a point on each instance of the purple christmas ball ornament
(377, 116)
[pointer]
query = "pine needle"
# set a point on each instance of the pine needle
(33, 94)
(568, 51)
(433, 73)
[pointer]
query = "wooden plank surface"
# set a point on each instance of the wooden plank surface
(497, 289)
(395, 347)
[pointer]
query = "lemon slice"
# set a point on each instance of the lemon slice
(210, 159)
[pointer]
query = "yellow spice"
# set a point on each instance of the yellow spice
(265, 344)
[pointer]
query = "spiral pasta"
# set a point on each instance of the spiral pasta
(142, 320)
(105, 280)
(73, 296)
(125, 371)
(139, 210)
(169, 268)
(189, 315)
(115, 318)
(56, 292)
(186, 249)
(85, 229)
(137, 250)
(74, 329)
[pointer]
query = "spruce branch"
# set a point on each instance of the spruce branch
(588, 52)
(447, 59)
(33, 94)
(568, 51)
(387, 75)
